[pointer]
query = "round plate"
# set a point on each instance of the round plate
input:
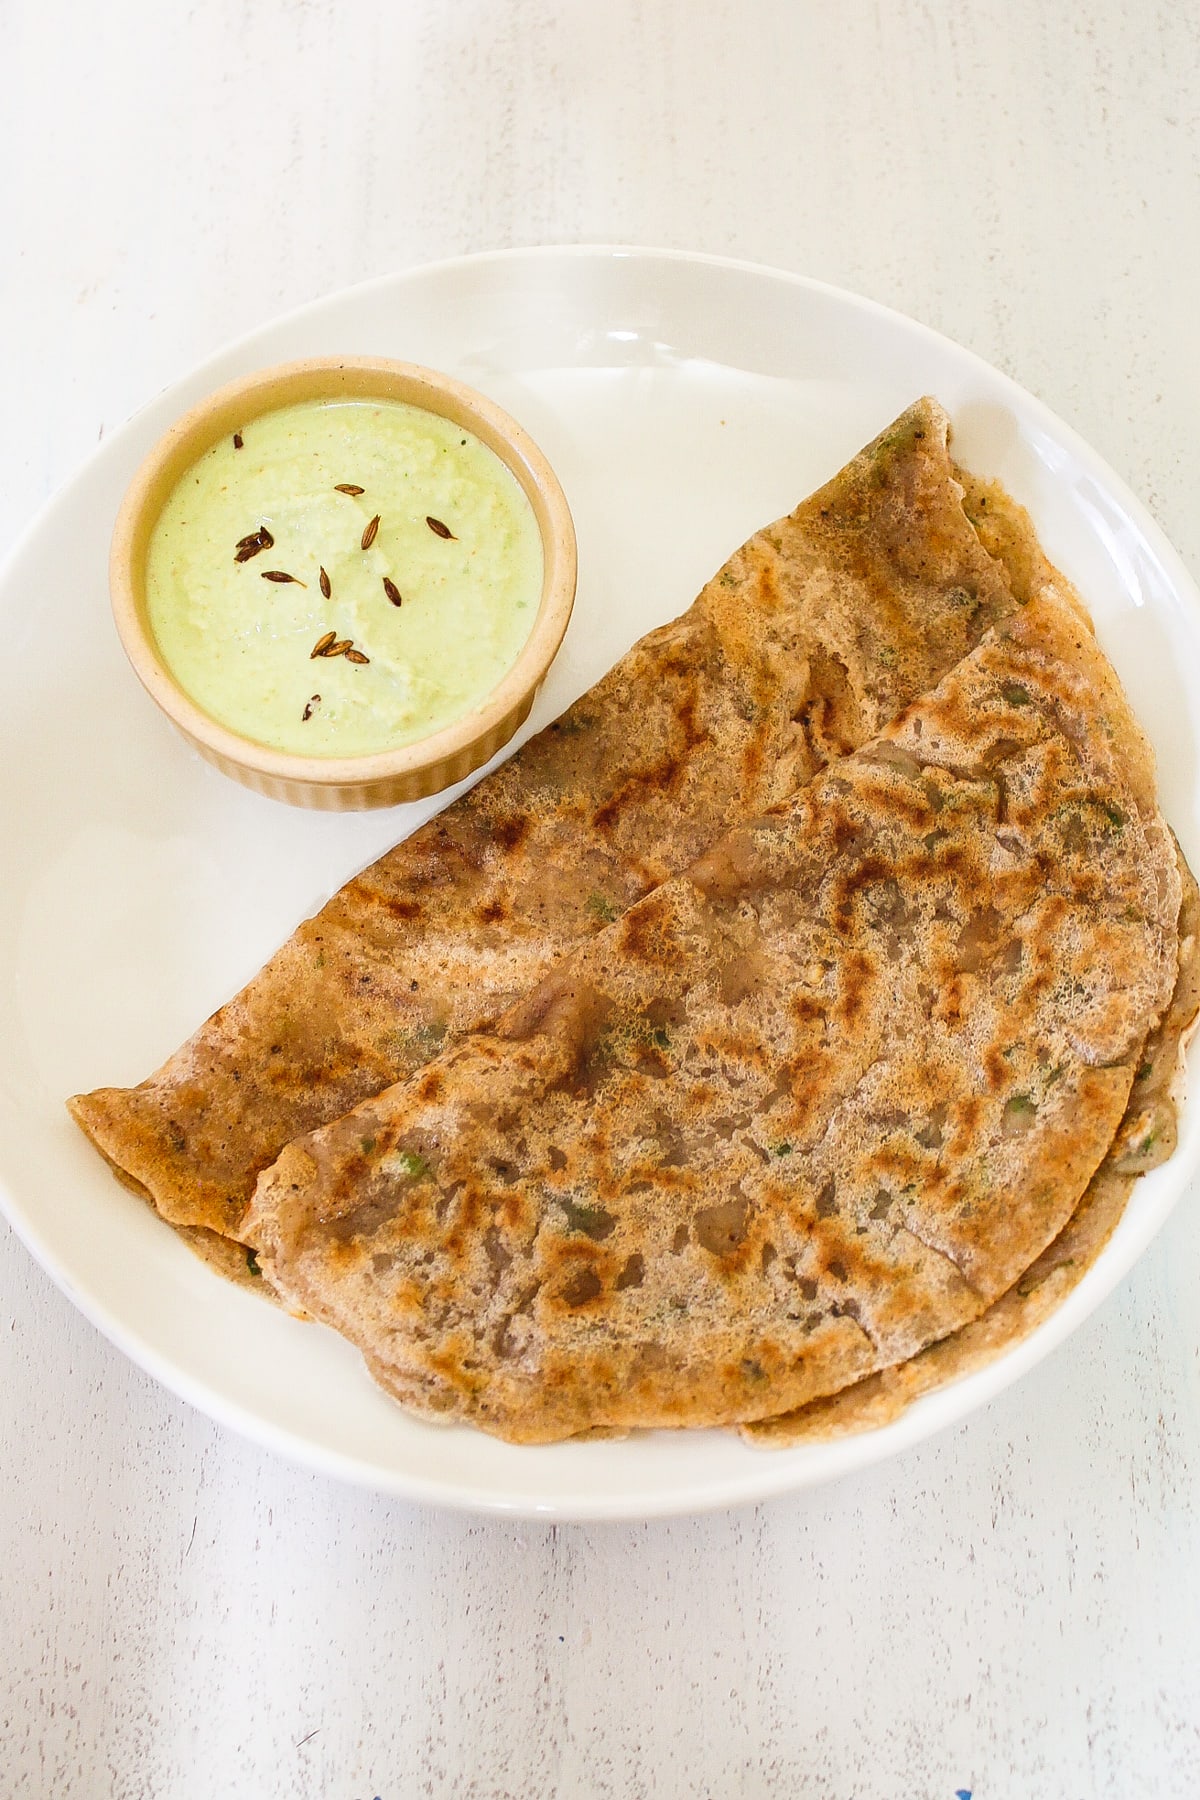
(684, 402)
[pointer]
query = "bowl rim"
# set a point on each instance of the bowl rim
(341, 377)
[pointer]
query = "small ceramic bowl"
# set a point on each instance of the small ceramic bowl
(386, 777)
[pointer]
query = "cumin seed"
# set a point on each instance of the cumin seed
(356, 656)
(326, 586)
(341, 648)
(251, 545)
(321, 647)
(347, 487)
(369, 530)
(392, 591)
(280, 575)
(436, 526)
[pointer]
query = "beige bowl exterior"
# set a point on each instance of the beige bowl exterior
(343, 784)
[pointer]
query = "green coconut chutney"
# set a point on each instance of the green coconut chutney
(456, 545)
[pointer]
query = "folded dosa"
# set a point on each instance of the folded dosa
(802, 1112)
(814, 635)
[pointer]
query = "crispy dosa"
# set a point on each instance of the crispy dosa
(802, 1112)
(802, 647)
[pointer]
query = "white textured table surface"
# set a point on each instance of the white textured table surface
(1014, 1608)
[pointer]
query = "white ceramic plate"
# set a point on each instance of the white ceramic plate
(684, 402)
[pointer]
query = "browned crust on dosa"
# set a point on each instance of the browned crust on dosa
(804, 1111)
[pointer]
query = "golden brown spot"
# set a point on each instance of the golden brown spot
(856, 983)
(430, 1085)
(764, 578)
(847, 834)
(869, 872)
(969, 1113)
(948, 1006)
(513, 1211)
(806, 1077)
(734, 1048)
(663, 776)
(511, 833)
(643, 931)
